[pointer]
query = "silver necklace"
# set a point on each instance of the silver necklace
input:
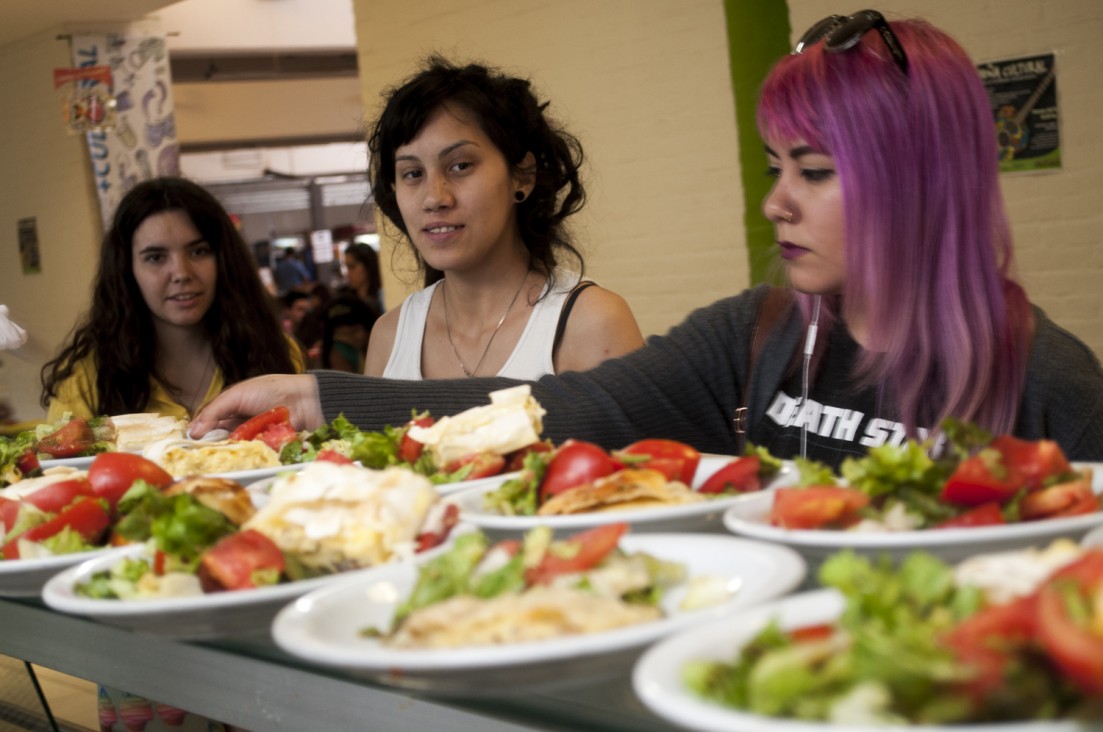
(448, 327)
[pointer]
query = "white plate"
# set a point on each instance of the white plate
(25, 577)
(491, 483)
(73, 462)
(255, 474)
(325, 626)
(749, 516)
(704, 515)
(657, 677)
(198, 617)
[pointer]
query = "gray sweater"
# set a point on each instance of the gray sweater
(687, 386)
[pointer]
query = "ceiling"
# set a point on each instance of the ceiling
(24, 18)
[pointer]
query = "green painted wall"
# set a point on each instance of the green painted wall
(758, 35)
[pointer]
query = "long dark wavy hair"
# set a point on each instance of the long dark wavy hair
(509, 113)
(117, 332)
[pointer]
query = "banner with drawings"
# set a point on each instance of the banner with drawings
(141, 143)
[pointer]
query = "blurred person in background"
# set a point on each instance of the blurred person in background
(364, 279)
(346, 329)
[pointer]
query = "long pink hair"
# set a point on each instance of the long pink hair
(928, 247)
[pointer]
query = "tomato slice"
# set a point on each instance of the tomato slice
(483, 465)
(1031, 462)
(516, 459)
(576, 463)
(1075, 646)
(987, 640)
(249, 429)
(986, 514)
(70, 440)
(277, 435)
(54, 497)
(27, 464)
(738, 476)
(332, 456)
(9, 513)
(232, 563)
(1075, 495)
(676, 460)
(816, 507)
(112, 473)
(86, 516)
(593, 546)
(409, 449)
(429, 539)
(980, 479)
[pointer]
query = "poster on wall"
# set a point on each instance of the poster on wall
(141, 143)
(29, 257)
(1023, 95)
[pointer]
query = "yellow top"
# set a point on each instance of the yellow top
(77, 393)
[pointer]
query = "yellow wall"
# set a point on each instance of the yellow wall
(645, 85)
(44, 174)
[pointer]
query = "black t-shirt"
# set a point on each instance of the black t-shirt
(843, 417)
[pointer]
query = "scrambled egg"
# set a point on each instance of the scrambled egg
(195, 457)
(512, 420)
(334, 517)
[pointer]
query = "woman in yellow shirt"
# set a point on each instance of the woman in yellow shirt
(178, 312)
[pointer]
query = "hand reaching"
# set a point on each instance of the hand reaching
(299, 393)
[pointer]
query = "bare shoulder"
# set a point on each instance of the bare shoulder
(601, 326)
(381, 342)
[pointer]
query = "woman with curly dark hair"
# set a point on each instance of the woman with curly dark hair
(467, 166)
(178, 312)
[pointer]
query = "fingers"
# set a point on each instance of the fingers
(299, 393)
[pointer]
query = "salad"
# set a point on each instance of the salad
(538, 589)
(581, 476)
(204, 535)
(981, 481)
(68, 437)
(478, 443)
(912, 646)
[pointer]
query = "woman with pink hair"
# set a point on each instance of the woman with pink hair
(902, 307)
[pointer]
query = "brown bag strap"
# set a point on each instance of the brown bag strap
(775, 303)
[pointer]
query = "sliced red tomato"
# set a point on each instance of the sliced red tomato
(812, 633)
(439, 534)
(987, 640)
(1073, 641)
(483, 465)
(112, 473)
(986, 514)
(9, 512)
(676, 460)
(332, 456)
(576, 463)
(159, 558)
(816, 507)
(982, 478)
(249, 429)
(409, 449)
(277, 435)
(738, 476)
(27, 463)
(70, 440)
(1075, 495)
(1031, 462)
(56, 496)
(86, 516)
(516, 459)
(233, 562)
(593, 546)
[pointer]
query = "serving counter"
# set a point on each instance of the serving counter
(255, 685)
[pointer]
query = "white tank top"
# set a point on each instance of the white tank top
(531, 357)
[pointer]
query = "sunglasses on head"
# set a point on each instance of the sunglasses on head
(841, 33)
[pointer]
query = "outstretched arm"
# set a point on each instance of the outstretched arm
(299, 393)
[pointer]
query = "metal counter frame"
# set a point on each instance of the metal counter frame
(260, 688)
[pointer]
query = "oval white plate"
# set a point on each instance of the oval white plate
(657, 677)
(197, 617)
(249, 476)
(686, 517)
(491, 483)
(73, 462)
(749, 516)
(25, 577)
(325, 626)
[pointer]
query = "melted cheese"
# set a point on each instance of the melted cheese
(512, 420)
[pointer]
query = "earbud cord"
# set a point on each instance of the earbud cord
(809, 346)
